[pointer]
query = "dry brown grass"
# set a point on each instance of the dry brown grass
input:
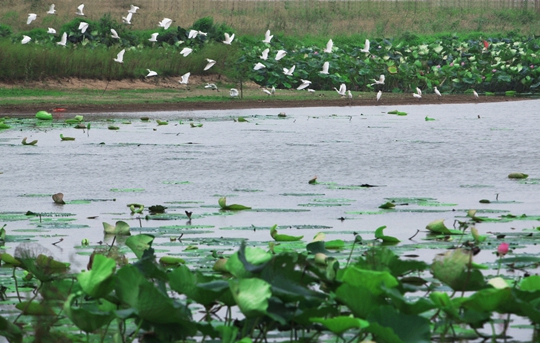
(293, 17)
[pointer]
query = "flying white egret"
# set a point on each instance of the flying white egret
(31, 18)
(342, 89)
(120, 57)
(25, 39)
(165, 23)
(436, 91)
(366, 47)
(419, 91)
(233, 92)
(83, 26)
(380, 81)
(280, 54)
(211, 86)
(210, 64)
(325, 67)
(228, 39)
(289, 72)
(153, 38)
(259, 66)
(63, 40)
(186, 51)
(379, 94)
(185, 78)
(264, 55)
(51, 31)
(304, 84)
(267, 37)
(114, 34)
(51, 10)
(202, 33)
(127, 19)
(80, 10)
(133, 9)
(475, 94)
(329, 46)
(151, 73)
(417, 96)
(267, 91)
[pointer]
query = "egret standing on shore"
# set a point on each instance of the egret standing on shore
(436, 91)
(379, 94)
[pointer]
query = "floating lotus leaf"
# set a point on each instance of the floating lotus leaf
(44, 115)
(517, 176)
(171, 261)
(24, 142)
(380, 235)
(387, 206)
(399, 113)
(64, 138)
(159, 122)
(437, 226)
(121, 228)
(58, 198)
(234, 207)
(4, 126)
(283, 238)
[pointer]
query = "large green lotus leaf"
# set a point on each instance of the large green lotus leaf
(405, 306)
(254, 256)
(185, 281)
(139, 243)
(251, 295)
(34, 308)
(87, 316)
(438, 226)
(10, 331)
(443, 302)
(127, 281)
(369, 279)
(43, 267)
(121, 228)
(339, 325)
(228, 333)
(530, 284)
(380, 235)
(488, 300)
(359, 299)
(391, 326)
(99, 281)
(452, 268)
(155, 306)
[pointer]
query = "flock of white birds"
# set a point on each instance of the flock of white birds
(166, 23)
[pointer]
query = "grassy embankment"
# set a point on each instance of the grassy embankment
(295, 24)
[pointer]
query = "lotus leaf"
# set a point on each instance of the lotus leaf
(99, 281)
(517, 176)
(339, 325)
(453, 268)
(121, 228)
(44, 115)
(283, 238)
(437, 226)
(251, 295)
(234, 207)
(88, 316)
(139, 243)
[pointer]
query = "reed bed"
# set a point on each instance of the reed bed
(299, 17)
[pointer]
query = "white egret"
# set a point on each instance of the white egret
(419, 91)
(153, 37)
(259, 66)
(304, 84)
(273, 90)
(127, 19)
(267, 37)
(329, 46)
(475, 94)
(51, 10)
(202, 33)
(151, 73)
(366, 47)
(289, 72)
(349, 95)
(83, 26)
(192, 34)
(165, 23)
(228, 39)
(63, 40)
(185, 78)
(233, 92)
(264, 55)
(436, 91)
(186, 51)
(31, 18)
(80, 10)
(280, 54)
(25, 39)
(210, 64)
(325, 67)
(120, 57)
(379, 94)
(380, 81)
(417, 96)
(133, 9)
(114, 34)
(342, 89)
(211, 86)
(267, 91)
(310, 90)
(51, 31)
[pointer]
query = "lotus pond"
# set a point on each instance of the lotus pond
(306, 224)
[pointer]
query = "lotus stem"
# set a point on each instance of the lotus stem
(16, 284)
(417, 231)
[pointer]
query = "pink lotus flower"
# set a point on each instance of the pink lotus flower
(532, 66)
(439, 66)
(462, 64)
(494, 70)
(502, 249)
(452, 64)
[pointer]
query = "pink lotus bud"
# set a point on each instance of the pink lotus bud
(502, 249)
(462, 64)
(494, 70)
(452, 64)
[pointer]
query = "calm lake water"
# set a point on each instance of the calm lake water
(461, 157)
